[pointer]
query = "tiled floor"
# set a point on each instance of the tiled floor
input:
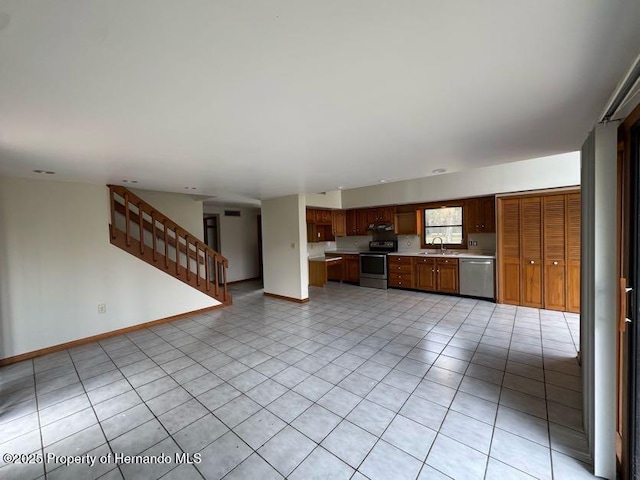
(359, 383)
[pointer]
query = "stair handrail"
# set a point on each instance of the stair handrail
(190, 239)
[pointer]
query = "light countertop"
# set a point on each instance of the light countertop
(457, 254)
(324, 259)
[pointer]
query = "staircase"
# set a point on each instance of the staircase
(144, 232)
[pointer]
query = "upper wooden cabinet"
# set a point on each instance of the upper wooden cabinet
(311, 215)
(480, 215)
(357, 222)
(339, 223)
(380, 215)
(320, 226)
(539, 251)
(406, 223)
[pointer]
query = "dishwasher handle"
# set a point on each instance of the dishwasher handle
(471, 262)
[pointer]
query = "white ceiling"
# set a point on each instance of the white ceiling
(256, 99)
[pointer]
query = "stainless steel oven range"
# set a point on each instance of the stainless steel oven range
(373, 264)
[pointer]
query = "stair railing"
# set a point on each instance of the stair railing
(150, 235)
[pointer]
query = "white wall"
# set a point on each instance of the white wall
(284, 240)
(598, 326)
(331, 199)
(547, 172)
(57, 265)
(186, 208)
(238, 241)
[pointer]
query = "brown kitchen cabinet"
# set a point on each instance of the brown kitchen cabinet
(335, 272)
(351, 268)
(311, 215)
(380, 215)
(447, 275)
(539, 251)
(406, 223)
(426, 274)
(400, 270)
(339, 223)
(348, 270)
(437, 274)
(319, 225)
(480, 215)
(323, 217)
(357, 222)
(319, 233)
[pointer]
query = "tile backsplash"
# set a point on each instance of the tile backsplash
(408, 243)
(486, 242)
(359, 242)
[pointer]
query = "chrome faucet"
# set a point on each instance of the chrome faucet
(442, 247)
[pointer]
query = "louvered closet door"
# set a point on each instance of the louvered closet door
(532, 252)
(510, 273)
(554, 224)
(573, 252)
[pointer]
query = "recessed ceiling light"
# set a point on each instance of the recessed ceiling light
(44, 172)
(340, 187)
(383, 181)
(439, 170)
(129, 181)
(190, 188)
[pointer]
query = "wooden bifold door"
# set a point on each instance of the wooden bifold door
(539, 251)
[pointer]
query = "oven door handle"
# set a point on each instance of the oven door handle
(376, 255)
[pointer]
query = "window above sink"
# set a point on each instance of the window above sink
(443, 223)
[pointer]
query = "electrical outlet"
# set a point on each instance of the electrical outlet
(102, 308)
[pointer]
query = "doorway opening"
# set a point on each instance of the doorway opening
(212, 231)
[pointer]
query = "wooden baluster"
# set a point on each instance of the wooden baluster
(154, 240)
(224, 280)
(187, 252)
(207, 271)
(216, 287)
(197, 265)
(166, 244)
(141, 227)
(113, 212)
(177, 245)
(127, 219)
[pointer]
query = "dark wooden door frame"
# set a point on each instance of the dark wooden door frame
(629, 273)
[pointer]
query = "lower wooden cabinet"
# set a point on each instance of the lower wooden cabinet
(424, 273)
(401, 272)
(447, 275)
(348, 270)
(352, 268)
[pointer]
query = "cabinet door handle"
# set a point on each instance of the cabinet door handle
(532, 262)
(555, 263)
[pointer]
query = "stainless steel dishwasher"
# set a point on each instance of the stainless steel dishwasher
(476, 277)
